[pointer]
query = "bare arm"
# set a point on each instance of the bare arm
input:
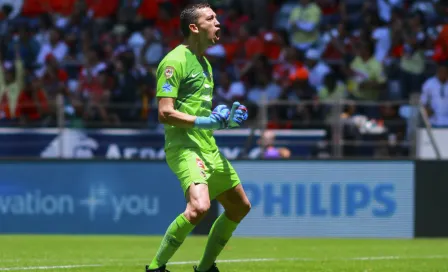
(170, 116)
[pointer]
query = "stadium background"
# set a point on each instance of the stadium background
(346, 138)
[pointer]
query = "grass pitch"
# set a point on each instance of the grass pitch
(131, 253)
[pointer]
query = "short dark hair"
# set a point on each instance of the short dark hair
(189, 15)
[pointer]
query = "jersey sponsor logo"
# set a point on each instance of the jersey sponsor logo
(200, 163)
(201, 166)
(167, 88)
(169, 72)
(194, 75)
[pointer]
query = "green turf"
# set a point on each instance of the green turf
(117, 253)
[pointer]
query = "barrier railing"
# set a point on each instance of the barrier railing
(335, 129)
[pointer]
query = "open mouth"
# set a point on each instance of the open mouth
(218, 34)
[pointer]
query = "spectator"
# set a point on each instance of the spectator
(169, 26)
(287, 66)
(245, 46)
(11, 84)
(385, 8)
(330, 11)
(28, 46)
(262, 88)
(229, 90)
(380, 36)
(5, 18)
(234, 20)
(129, 85)
(332, 91)
(55, 46)
(435, 96)
(304, 24)
(54, 78)
(44, 28)
(396, 131)
(299, 90)
(268, 149)
(92, 58)
(152, 50)
(412, 65)
(89, 75)
(441, 45)
(32, 103)
(317, 68)
(336, 44)
(366, 75)
(97, 102)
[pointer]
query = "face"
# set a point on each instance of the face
(243, 32)
(36, 84)
(310, 62)
(268, 138)
(224, 79)
(52, 63)
(290, 55)
(9, 77)
(342, 29)
(414, 21)
(364, 51)
(442, 73)
(54, 36)
(387, 110)
(207, 26)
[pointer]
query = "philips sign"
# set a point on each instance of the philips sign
(323, 200)
(332, 199)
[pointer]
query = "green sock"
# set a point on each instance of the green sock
(174, 237)
(219, 235)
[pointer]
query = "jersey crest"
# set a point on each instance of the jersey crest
(169, 72)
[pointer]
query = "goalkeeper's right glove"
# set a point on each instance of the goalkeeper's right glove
(217, 120)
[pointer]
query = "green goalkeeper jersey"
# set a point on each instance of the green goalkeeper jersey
(189, 79)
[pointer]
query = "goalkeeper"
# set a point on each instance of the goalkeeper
(184, 92)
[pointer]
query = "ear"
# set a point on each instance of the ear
(194, 28)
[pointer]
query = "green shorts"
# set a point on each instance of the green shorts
(193, 165)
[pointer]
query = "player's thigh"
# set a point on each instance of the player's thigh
(190, 166)
(224, 176)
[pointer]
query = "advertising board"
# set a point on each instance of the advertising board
(328, 199)
(136, 144)
(425, 149)
(88, 197)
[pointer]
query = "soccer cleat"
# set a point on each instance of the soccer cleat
(160, 269)
(214, 268)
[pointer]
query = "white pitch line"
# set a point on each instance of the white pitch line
(382, 258)
(247, 260)
(372, 258)
(50, 267)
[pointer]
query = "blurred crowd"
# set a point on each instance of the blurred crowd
(100, 57)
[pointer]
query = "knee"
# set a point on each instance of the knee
(197, 210)
(239, 212)
(245, 208)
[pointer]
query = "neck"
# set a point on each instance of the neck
(195, 46)
(365, 58)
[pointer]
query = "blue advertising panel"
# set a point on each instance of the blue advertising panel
(88, 197)
(328, 199)
(135, 144)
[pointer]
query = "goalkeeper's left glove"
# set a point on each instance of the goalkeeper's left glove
(238, 115)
